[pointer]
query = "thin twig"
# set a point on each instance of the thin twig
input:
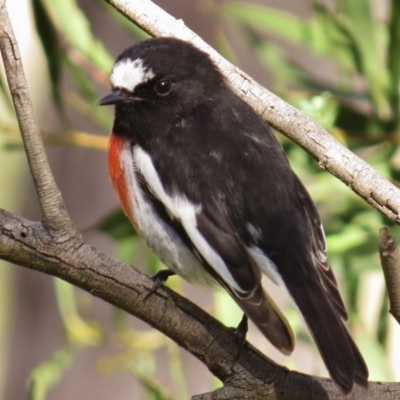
(72, 138)
(54, 214)
(329, 153)
(390, 260)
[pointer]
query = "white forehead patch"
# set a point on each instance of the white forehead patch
(128, 74)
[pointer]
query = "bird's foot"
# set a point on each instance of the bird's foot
(241, 332)
(158, 280)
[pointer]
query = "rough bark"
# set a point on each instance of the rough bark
(251, 376)
(54, 247)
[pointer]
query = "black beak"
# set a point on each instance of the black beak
(113, 98)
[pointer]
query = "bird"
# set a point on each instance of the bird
(206, 184)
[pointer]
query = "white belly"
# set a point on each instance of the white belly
(159, 236)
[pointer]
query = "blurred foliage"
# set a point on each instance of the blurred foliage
(49, 373)
(358, 103)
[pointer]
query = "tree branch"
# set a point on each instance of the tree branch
(55, 217)
(56, 249)
(330, 154)
(390, 260)
(253, 375)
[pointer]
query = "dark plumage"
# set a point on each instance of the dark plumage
(209, 188)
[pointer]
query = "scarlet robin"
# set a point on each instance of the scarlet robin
(207, 186)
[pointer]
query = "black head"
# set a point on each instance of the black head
(161, 80)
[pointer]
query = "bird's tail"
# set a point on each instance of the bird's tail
(341, 356)
(265, 314)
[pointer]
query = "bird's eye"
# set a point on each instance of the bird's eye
(163, 87)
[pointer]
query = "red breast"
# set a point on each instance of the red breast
(118, 175)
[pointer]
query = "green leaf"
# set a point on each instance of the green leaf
(284, 73)
(125, 23)
(79, 331)
(394, 61)
(90, 96)
(48, 36)
(117, 225)
(350, 237)
(331, 34)
(75, 28)
(44, 377)
(322, 108)
(277, 22)
(353, 30)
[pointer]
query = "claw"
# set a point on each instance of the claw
(159, 279)
(241, 332)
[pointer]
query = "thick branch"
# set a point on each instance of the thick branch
(390, 260)
(53, 210)
(329, 153)
(252, 376)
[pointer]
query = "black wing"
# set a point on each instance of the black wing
(213, 224)
(206, 229)
(318, 250)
